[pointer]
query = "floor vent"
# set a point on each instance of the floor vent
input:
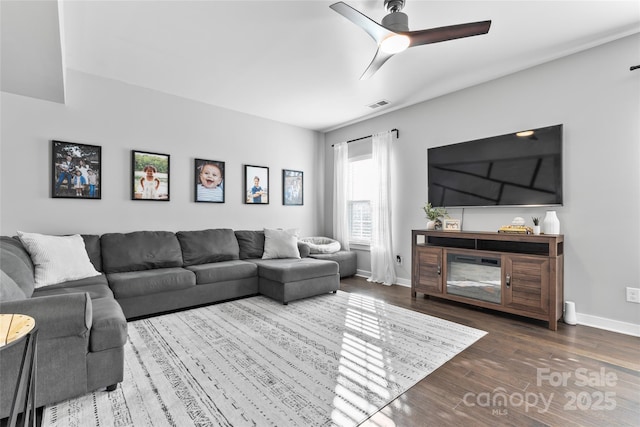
(379, 104)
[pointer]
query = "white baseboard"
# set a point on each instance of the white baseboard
(399, 281)
(608, 324)
(363, 273)
(582, 319)
(403, 282)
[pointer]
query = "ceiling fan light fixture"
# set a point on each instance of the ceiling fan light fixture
(392, 35)
(395, 44)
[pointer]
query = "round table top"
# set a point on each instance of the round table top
(14, 326)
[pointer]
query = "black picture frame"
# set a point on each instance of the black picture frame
(292, 187)
(251, 188)
(76, 170)
(209, 181)
(156, 165)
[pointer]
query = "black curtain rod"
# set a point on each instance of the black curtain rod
(369, 136)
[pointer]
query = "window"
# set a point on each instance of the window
(359, 199)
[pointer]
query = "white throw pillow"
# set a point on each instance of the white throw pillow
(280, 244)
(57, 258)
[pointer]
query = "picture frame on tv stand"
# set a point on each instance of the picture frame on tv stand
(451, 224)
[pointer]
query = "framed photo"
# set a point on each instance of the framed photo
(450, 224)
(256, 182)
(292, 188)
(149, 176)
(209, 181)
(76, 170)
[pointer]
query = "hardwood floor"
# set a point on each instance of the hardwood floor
(520, 373)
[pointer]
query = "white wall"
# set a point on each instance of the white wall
(122, 117)
(597, 98)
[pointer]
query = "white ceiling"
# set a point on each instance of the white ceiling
(299, 62)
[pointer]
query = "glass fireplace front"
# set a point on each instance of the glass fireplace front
(476, 277)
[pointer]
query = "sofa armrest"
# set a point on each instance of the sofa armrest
(56, 315)
(304, 249)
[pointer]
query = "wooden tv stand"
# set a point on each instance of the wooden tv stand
(515, 273)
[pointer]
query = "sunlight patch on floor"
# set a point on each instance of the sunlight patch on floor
(362, 362)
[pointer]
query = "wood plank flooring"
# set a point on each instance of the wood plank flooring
(519, 374)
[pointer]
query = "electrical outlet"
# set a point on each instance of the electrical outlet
(633, 295)
(399, 259)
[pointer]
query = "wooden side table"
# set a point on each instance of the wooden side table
(15, 329)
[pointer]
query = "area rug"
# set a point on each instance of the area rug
(332, 360)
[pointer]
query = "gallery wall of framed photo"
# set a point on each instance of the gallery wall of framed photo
(77, 173)
(103, 121)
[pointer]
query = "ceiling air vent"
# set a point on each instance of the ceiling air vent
(379, 104)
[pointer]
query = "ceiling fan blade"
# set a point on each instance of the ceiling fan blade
(441, 34)
(375, 30)
(379, 59)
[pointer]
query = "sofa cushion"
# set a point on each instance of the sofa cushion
(135, 283)
(280, 244)
(140, 250)
(92, 245)
(57, 258)
(251, 243)
(9, 289)
(109, 326)
(204, 246)
(96, 287)
(16, 263)
(293, 270)
(223, 271)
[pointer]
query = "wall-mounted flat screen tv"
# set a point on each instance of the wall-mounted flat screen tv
(516, 169)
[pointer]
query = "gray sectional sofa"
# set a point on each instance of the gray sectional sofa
(82, 323)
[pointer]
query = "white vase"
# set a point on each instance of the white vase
(536, 229)
(551, 223)
(431, 225)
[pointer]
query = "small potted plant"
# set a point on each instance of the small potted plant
(536, 225)
(433, 215)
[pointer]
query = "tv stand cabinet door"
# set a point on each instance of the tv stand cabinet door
(526, 284)
(427, 271)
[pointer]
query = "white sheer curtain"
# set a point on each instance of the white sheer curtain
(340, 192)
(382, 266)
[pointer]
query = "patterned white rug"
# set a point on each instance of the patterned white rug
(332, 360)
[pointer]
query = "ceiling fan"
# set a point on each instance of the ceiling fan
(393, 35)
